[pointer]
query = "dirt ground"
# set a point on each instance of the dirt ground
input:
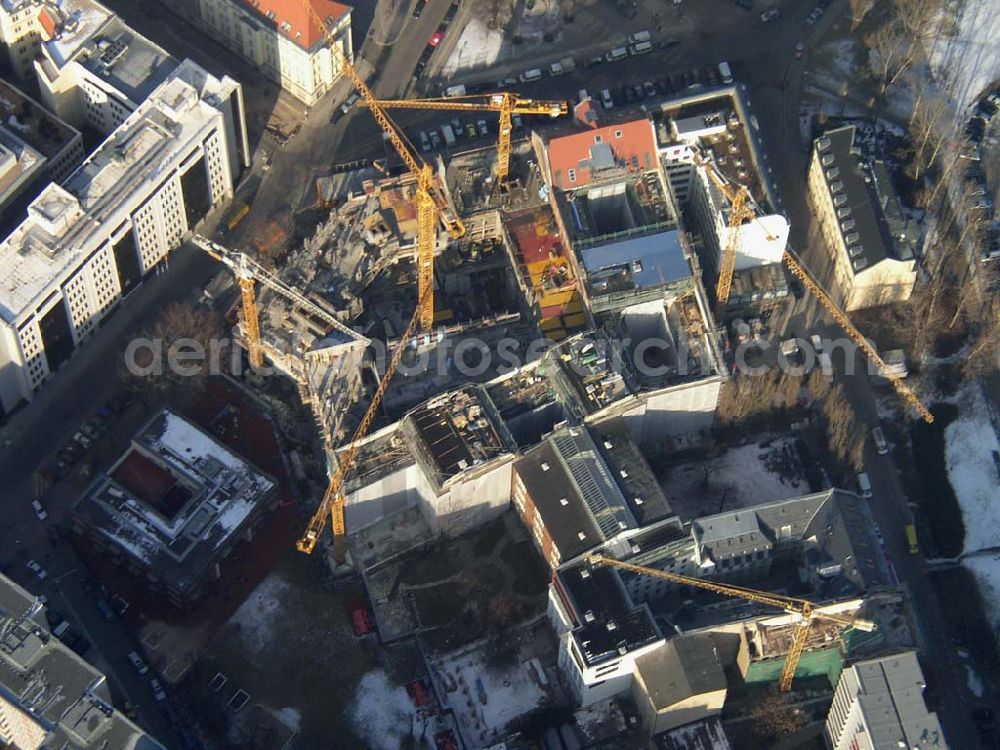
(459, 592)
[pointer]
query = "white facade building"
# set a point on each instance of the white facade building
(92, 68)
(283, 40)
(91, 241)
(879, 704)
(21, 34)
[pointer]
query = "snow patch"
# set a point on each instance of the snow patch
(290, 717)
(382, 712)
(258, 615)
(970, 442)
(975, 684)
(478, 47)
(969, 59)
(987, 573)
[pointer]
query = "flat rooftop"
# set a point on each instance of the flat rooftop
(64, 223)
(32, 123)
(634, 264)
(126, 60)
(453, 433)
(175, 498)
(69, 25)
(588, 370)
(609, 625)
(57, 688)
(712, 125)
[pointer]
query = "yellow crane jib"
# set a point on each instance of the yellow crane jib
(506, 103)
(804, 609)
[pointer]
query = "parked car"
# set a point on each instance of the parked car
(105, 609)
(436, 39)
(649, 88)
(470, 130)
(82, 440)
(770, 15)
(158, 692)
(483, 129)
(138, 663)
(425, 143)
(881, 444)
(39, 510)
(37, 569)
(606, 101)
(506, 83)
(435, 139)
(351, 101)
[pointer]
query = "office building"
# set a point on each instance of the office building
(92, 240)
(49, 696)
(879, 705)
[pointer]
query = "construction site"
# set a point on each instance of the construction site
(461, 316)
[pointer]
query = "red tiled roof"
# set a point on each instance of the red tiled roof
(49, 24)
(632, 144)
(294, 22)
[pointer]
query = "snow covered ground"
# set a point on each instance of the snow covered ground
(969, 445)
(970, 60)
(497, 696)
(739, 478)
(478, 47)
(261, 610)
(382, 712)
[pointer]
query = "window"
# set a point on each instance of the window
(572, 175)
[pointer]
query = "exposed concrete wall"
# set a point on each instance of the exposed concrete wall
(470, 501)
(383, 497)
(672, 412)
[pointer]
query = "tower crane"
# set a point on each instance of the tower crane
(506, 103)
(743, 209)
(803, 609)
(432, 204)
(248, 273)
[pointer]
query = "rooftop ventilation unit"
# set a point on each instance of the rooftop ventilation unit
(823, 144)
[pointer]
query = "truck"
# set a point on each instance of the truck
(911, 538)
(449, 135)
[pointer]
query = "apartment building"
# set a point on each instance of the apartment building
(174, 507)
(36, 148)
(92, 240)
(284, 40)
(880, 704)
(21, 34)
(49, 696)
(872, 243)
(92, 68)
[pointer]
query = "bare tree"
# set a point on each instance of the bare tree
(983, 355)
(889, 43)
(844, 433)
(774, 716)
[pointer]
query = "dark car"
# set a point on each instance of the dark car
(982, 714)
(105, 609)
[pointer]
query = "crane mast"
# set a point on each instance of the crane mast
(803, 608)
(743, 209)
(507, 104)
(432, 205)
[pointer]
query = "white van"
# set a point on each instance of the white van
(455, 90)
(725, 72)
(865, 485)
(531, 75)
(639, 36)
(616, 54)
(640, 49)
(606, 99)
